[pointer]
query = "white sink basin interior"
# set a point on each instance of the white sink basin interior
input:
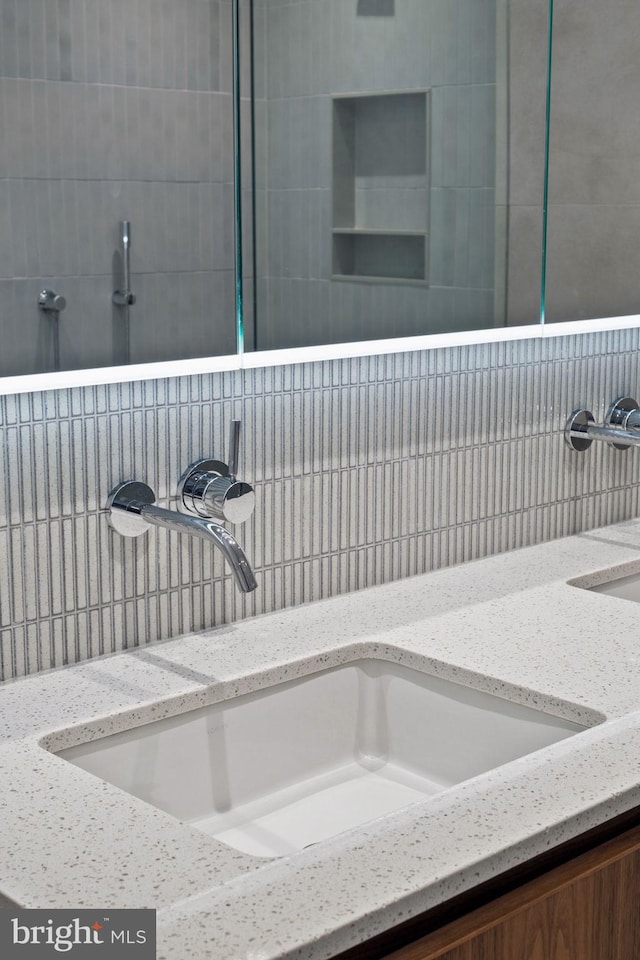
(272, 772)
(626, 588)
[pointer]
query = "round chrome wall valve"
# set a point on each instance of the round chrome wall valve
(124, 506)
(575, 432)
(620, 414)
(194, 482)
(207, 490)
(229, 499)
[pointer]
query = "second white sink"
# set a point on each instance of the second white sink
(272, 772)
(626, 588)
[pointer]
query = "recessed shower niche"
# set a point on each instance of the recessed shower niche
(381, 187)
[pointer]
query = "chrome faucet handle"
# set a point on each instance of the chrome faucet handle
(234, 447)
(209, 488)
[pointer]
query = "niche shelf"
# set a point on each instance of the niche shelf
(380, 187)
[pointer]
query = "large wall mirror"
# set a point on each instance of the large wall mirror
(392, 170)
(399, 167)
(115, 111)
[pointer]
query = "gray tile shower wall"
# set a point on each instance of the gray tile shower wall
(115, 110)
(366, 470)
(305, 58)
(586, 136)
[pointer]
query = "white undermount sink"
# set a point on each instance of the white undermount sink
(625, 588)
(272, 772)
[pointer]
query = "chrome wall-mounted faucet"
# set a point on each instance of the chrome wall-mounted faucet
(133, 510)
(621, 427)
(124, 297)
(209, 492)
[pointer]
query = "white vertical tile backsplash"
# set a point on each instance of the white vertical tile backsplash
(365, 470)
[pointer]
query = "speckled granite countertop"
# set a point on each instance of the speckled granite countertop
(510, 624)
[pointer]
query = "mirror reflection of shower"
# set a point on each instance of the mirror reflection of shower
(367, 238)
(95, 131)
(381, 169)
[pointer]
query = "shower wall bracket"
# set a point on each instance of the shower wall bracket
(51, 302)
(124, 297)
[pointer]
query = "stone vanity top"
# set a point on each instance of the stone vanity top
(510, 624)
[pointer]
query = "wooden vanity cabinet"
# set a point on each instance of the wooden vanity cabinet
(587, 908)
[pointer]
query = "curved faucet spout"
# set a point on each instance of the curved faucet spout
(207, 530)
(132, 510)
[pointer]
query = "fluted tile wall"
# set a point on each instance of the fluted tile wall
(366, 470)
